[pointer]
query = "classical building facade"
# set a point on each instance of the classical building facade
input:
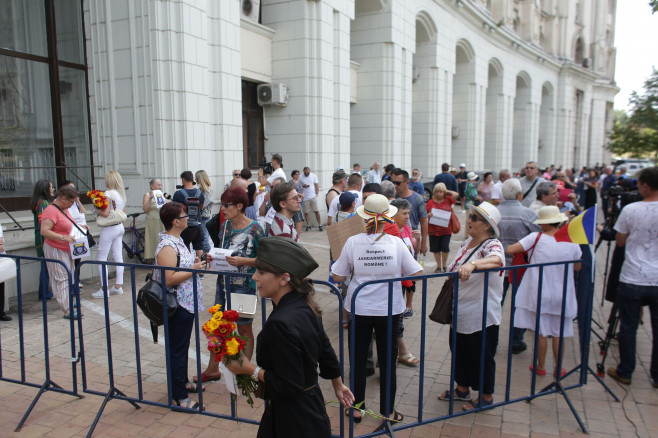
(154, 87)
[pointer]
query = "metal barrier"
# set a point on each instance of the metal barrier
(48, 384)
(113, 391)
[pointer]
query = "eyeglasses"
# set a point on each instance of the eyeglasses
(296, 198)
(183, 217)
(529, 167)
(474, 218)
(226, 205)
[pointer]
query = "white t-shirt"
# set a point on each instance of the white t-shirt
(497, 191)
(279, 173)
(370, 259)
(77, 215)
(469, 305)
(333, 207)
(115, 196)
(311, 180)
(638, 220)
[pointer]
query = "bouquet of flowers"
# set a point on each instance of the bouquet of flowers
(98, 198)
(226, 344)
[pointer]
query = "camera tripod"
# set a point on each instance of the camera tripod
(604, 344)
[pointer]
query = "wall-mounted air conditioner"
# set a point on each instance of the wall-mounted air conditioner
(250, 9)
(272, 94)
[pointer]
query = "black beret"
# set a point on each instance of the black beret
(287, 255)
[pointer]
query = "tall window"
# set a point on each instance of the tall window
(253, 133)
(44, 115)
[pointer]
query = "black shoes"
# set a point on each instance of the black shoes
(5, 317)
(519, 348)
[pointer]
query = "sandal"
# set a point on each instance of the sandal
(189, 404)
(459, 395)
(356, 419)
(480, 403)
(562, 373)
(73, 315)
(206, 378)
(396, 418)
(194, 387)
(409, 360)
(539, 371)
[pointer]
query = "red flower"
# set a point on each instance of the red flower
(231, 315)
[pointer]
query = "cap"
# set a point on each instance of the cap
(346, 199)
(339, 174)
(462, 165)
(287, 255)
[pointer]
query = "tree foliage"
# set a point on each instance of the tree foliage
(636, 134)
(654, 6)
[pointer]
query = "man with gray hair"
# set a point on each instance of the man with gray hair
(388, 189)
(547, 194)
(516, 222)
(529, 183)
(497, 190)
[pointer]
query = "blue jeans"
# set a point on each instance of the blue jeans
(630, 300)
(220, 296)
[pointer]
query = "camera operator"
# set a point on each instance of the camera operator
(637, 230)
(277, 169)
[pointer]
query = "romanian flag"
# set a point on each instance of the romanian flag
(581, 230)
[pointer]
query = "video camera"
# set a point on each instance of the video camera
(267, 167)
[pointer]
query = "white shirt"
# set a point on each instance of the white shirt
(470, 293)
(497, 191)
(333, 207)
(279, 173)
(119, 202)
(372, 300)
(373, 176)
(311, 180)
(536, 205)
(77, 215)
(638, 220)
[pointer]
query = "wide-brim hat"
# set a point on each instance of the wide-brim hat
(490, 213)
(287, 255)
(374, 205)
(550, 214)
(472, 176)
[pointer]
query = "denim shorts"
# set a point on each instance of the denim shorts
(220, 298)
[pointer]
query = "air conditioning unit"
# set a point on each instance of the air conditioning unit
(455, 132)
(250, 9)
(586, 62)
(272, 94)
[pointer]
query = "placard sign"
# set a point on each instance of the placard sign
(218, 260)
(339, 232)
(159, 198)
(375, 260)
(80, 249)
(269, 217)
(440, 218)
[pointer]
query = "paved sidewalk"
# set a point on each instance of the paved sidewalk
(61, 415)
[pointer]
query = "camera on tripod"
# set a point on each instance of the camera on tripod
(267, 167)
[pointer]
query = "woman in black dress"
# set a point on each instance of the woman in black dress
(591, 185)
(291, 346)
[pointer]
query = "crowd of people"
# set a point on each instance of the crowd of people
(261, 221)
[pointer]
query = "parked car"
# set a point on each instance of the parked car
(633, 165)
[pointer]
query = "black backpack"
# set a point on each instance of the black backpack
(194, 207)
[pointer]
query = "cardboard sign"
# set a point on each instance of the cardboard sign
(440, 218)
(374, 260)
(338, 233)
(159, 198)
(80, 249)
(269, 217)
(218, 260)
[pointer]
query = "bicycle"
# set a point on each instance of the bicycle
(136, 248)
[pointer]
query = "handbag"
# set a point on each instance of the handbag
(522, 258)
(7, 269)
(454, 226)
(149, 300)
(114, 218)
(90, 239)
(442, 311)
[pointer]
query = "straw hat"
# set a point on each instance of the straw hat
(472, 176)
(550, 215)
(375, 205)
(490, 213)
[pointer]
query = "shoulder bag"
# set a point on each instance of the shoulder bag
(90, 239)
(149, 300)
(522, 258)
(114, 218)
(454, 226)
(442, 311)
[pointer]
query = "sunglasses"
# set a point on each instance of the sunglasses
(474, 218)
(530, 167)
(397, 183)
(294, 198)
(236, 174)
(226, 205)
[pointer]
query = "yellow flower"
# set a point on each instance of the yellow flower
(212, 325)
(218, 316)
(232, 347)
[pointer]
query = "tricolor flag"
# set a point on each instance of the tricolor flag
(580, 230)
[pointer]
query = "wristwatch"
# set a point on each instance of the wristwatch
(474, 265)
(254, 375)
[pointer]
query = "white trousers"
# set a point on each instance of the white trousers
(110, 239)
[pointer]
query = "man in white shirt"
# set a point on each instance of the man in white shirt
(497, 190)
(311, 189)
(373, 175)
(637, 229)
(353, 186)
(277, 165)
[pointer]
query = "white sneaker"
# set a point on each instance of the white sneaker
(98, 294)
(116, 291)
